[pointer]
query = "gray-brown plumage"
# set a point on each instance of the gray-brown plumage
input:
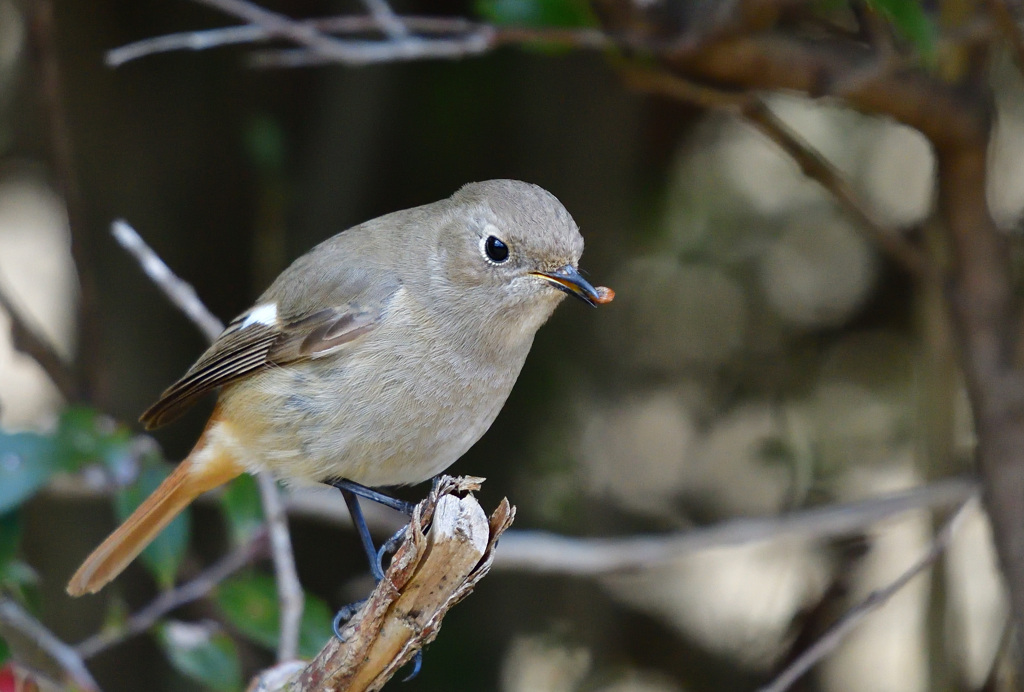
(380, 356)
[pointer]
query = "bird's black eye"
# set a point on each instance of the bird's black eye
(496, 250)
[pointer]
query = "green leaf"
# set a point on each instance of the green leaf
(10, 537)
(537, 13)
(5, 652)
(26, 463)
(86, 436)
(207, 657)
(910, 19)
(22, 582)
(164, 554)
(243, 507)
(249, 602)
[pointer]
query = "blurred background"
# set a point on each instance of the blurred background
(761, 355)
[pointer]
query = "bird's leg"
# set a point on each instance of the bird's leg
(352, 491)
(364, 533)
(380, 498)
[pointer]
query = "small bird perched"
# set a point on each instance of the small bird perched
(376, 359)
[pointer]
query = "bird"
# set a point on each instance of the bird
(375, 360)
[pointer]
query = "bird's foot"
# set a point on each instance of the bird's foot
(342, 617)
(389, 547)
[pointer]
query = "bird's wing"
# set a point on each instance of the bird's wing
(262, 338)
(308, 312)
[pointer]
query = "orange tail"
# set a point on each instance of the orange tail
(205, 468)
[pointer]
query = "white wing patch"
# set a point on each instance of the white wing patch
(261, 314)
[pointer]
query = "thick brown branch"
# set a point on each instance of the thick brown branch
(813, 164)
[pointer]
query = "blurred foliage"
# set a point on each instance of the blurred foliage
(912, 21)
(249, 602)
(82, 436)
(209, 657)
(537, 13)
(243, 507)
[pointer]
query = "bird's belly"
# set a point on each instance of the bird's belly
(378, 429)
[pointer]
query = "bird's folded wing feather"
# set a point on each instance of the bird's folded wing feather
(247, 346)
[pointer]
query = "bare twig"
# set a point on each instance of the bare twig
(543, 552)
(443, 38)
(179, 292)
(289, 590)
(448, 548)
(876, 599)
(199, 587)
(184, 297)
(386, 19)
(813, 164)
(280, 26)
(43, 41)
(36, 648)
(26, 339)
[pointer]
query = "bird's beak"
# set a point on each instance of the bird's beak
(568, 280)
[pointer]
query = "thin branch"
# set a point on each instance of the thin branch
(876, 599)
(37, 649)
(445, 38)
(281, 26)
(1003, 15)
(180, 293)
(253, 549)
(386, 19)
(43, 41)
(26, 339)
(535, 551)
(289, 590)
(184, 297)
(251, 33)
(811, 162)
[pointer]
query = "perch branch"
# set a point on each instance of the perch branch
(448, 547)
(26, 339)
(36, 649)
(853, 617)
(182, 295)
(168, 601)
(534, 551)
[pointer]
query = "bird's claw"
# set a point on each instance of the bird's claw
(388, 548)
(343, 616)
